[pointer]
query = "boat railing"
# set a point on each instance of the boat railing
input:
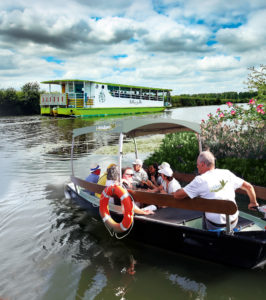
(76, 100)
(53, 99)
(210, 205)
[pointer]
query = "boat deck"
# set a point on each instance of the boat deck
(190, 218)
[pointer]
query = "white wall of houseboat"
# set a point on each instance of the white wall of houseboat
(102, 98)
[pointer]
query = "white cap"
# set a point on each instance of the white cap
(137, 162)
(163, 165)
(167, 171)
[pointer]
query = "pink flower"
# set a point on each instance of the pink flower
(229, 104)
(202, 121)
(251, 101)
(260, 111)
(259, 106)
(218, 109)
(221, 115)
(233, 112)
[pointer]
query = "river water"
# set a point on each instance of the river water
(51, 249)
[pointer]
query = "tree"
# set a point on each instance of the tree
(31, 97)
(9, 102)
(257, 81)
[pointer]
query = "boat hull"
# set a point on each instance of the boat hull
(98, 112)
(244, 249)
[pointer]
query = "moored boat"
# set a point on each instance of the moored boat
(178, 227)
(90, 98)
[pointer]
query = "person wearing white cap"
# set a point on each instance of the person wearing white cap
(140, 176)
(163, 165)
(94, 175)
(160, 167)
(170, 184)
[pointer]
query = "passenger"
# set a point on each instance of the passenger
(102, 180)
(140, 176)
(112, 179)
(112, 176)
(94, 175)
(218, 184)
(127, 178)
(169, 184)
(162, 166)
(154, 176)
(127, 183)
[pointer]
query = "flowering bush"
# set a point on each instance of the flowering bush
(236, 131)
(237, 137)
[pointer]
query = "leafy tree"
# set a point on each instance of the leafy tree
(30, 96)
(9, 102)
(257, 81)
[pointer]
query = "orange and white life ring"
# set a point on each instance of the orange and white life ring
(126, 202)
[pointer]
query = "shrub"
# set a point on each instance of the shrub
(180, 150)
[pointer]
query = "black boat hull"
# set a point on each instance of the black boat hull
(244, 249)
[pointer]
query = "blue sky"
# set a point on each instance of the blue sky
(190, 46)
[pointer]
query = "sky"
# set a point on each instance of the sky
(189, 46)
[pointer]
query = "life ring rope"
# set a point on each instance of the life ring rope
(127, 203)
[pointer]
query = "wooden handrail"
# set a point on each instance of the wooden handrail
(199, 204)
(93, 187)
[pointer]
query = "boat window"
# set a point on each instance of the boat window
(135, 93)
(71, 87)
(160, 95)
(124, 92)
(78, 87)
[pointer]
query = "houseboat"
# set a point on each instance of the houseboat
(86, 98)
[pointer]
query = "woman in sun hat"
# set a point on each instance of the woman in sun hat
(169, 184)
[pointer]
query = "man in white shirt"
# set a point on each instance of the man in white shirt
(140, 176)
(216, 184)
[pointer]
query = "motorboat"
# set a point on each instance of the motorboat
(177, 226)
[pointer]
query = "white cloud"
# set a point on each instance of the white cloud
(189, 46)
(247, 37)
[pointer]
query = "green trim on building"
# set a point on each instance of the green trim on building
(99, 112)
(61, 81)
